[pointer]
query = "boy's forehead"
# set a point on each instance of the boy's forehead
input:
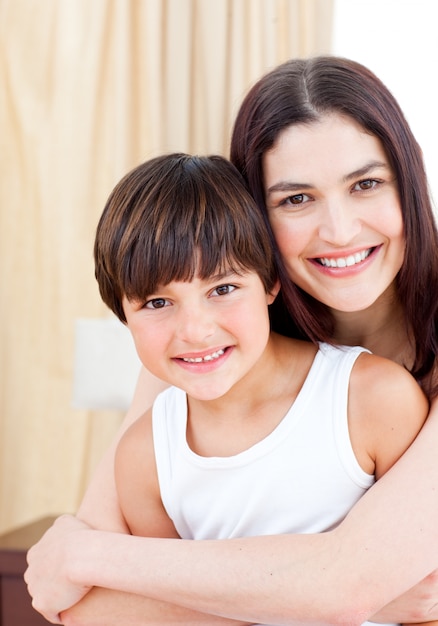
(219, 275)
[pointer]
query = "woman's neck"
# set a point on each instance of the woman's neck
(381, 329)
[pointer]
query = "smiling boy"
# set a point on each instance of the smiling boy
(258, 433)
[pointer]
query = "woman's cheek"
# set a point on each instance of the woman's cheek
(288, 240)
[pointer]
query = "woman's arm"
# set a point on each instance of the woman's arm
(387, 543)
(104, 607)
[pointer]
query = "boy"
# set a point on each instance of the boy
(259, 433)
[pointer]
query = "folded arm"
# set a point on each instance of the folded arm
(49, 582)
(386, 544)
(104, 607)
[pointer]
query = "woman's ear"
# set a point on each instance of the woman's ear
(273, 293)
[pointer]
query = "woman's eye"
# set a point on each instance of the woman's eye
(366, 185)
(156, 303)
(297, 199)
(223, 290)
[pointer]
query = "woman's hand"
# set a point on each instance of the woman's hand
(419, 604)
(48, 576)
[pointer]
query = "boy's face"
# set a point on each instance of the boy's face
(204, 335)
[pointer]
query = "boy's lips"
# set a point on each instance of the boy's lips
(204, 358)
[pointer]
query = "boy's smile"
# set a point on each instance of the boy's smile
(207, 357)
(203, 360)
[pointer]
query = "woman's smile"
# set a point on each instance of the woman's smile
(355, 258)
(335, 214)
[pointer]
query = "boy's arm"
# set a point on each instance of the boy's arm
(137, 484)
(100, 507)
(141, 507)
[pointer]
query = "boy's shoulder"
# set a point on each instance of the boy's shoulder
(380, 380)
(386, 409)
(382, 372)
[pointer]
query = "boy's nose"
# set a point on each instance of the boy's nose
(195, 325)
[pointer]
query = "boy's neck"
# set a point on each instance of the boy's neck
(255, 406)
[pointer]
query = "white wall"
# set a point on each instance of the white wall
(398, 41)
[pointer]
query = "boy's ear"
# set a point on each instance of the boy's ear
(274, 292)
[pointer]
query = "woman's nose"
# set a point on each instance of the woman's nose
(340, 224)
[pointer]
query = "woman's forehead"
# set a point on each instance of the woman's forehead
(333, 147)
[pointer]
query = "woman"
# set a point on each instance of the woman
(308, 93)
(325, 148)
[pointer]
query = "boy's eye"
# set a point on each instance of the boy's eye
(156, 303)
(223, 290)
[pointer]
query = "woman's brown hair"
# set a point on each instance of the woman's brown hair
(300, 92)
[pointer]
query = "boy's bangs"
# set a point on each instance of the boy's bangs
(155, 264)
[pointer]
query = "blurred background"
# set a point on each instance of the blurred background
(87, 91)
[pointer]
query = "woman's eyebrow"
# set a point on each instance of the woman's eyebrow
(286, 185)
(366, 169)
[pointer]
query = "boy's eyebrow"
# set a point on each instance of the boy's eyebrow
(286, 185)
(221, 275)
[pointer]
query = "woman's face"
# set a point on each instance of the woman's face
(334, 207)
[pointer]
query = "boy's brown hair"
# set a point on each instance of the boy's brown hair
(174, 217)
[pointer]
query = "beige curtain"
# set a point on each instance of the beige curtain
(88, 90)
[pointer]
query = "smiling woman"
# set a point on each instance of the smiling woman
(336, 215)
(331, 125)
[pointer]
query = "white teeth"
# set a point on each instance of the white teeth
(346, 261)
(208, 357)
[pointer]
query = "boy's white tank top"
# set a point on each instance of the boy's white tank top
(302, 478)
